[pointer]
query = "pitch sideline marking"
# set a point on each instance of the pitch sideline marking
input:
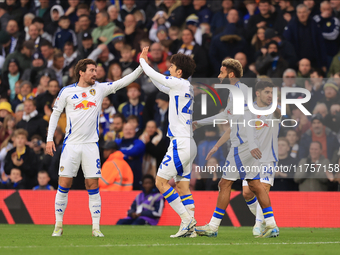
(155, 245)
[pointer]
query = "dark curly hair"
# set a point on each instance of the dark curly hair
(184, 63)
(82, 65)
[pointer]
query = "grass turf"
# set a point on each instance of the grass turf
(139, 240)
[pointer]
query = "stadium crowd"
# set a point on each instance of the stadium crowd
(294, 43)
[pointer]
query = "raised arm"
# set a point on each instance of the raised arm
(112, 87)
(161, 87)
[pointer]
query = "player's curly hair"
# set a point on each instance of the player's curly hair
(82, 65)
(184, 63)
(234, 66)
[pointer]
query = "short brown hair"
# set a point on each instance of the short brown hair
(20, 131)
(234, 66)
(184, 63)
(82, 65)
(261, 85)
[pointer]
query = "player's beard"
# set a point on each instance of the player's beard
(90, 83)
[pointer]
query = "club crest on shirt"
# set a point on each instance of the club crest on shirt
(83, 95)
(61, 168)
(92, 92)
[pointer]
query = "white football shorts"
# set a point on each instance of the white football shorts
(86, 154)
(267, 173)
(177, 162)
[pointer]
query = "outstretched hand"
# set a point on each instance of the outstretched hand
(144, 54)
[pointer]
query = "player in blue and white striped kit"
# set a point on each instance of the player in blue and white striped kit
(244, 153)
(182, 150)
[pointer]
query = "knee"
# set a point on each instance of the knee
(247, 194)
(224, 185)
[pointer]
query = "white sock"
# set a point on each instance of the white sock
(191, 209)
(188, 203)
(269, 216)
(216, 219)
(60, 205)
(95, 206)
(175, 202)
(259, 216)
(253, 205)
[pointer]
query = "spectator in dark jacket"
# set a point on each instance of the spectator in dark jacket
(64, 34)
(331, 91)
(148, 206)
(190, 48)
(271, 63)
(47, 98)
(306, 38)
(14, 181)
(32, 121)
(23, 158)
(319, 133)
(220, 18)
(263, 19)
(202, 11)
(25, 93)
(133, 150)
(128, 7)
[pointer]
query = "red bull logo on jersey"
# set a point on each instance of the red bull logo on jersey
(260, 124)
(85, 105)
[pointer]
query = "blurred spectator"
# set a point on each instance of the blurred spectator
(321, 108)
(158, 57)
(331, 91)
(286, 49)
(10, 77)
(284, 173)
(104, 31)
(175, 13)
(14, 180)
(247, 73)
(37, 70)
(87, 46)
(19, 112)
(323, 135)
(312, 6)
(205, 181)
(56, 13)
(134, 106)
(266, 18)
(32, 121)
(102, 55)
(258, 41)
(64, 34)
(332, 120)
(156, 146)
(43, 11)
(252, 9)
(127, 62)
(114, 15)
(202, 11)
(271, 63)
(106, 115)
(39, 23)
(292, 138)
(303, 123)
(23, 158)
(128, 7)
(58, 66)
(47, 51)
(22, 55)
(8, 126)
(4, 16)
(329, 26)
(5, 146)
(117, 43)
(38, 146)
(148, 206)
(190, 48)
(43, 84)
(220, 18)
(101, 73)
(306, 38)
(304, 72)
(70, 55)
(315, 86)
(225, 44)
(335, 4)
(133, 34)
(133, 150)
(25, 93)
(192, 23)
(285, 14)
(160, 112)
(43, 180)
(116, 128)
(314, 172)
(203, 148)
(160, 19)
(116, 172)
(335, 65)
(134, 120)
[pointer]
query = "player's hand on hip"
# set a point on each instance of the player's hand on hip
(50, 148)
(211, 152)
(144, 53)
(256, 153)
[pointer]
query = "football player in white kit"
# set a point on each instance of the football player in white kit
(267, 130)
(177, 162)
(243, 158)
(82, 101)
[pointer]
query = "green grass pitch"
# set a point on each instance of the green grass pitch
(140, 240)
